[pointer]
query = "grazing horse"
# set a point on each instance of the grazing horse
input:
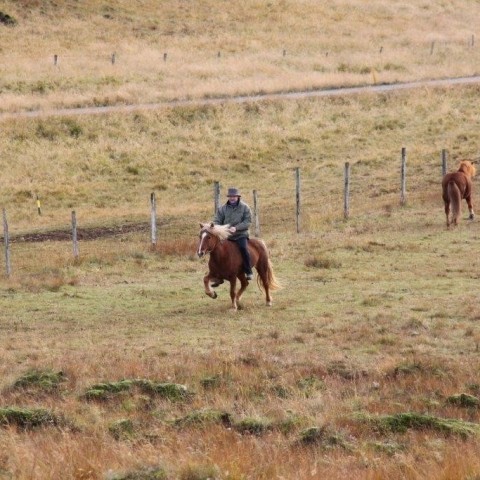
(225, 263)
(455, 187)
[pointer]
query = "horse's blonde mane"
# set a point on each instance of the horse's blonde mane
(220, 231)
(467, 167)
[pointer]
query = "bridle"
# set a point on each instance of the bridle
(210, 250)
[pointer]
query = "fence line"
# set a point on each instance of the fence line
(216, 200)
(114, 58)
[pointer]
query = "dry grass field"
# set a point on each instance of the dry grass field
(209, 49)
(117, 366)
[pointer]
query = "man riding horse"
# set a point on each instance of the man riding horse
(238, 215)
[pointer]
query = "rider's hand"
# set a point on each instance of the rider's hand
(232, 229)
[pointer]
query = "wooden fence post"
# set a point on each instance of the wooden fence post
(216, 197)
(444, 161)
(297, 198)
(255, 214)
(153, 219)
(7, 243)
(113, 58)
(346, 192)
(39, 206)
(74, 235)
(55, 59)
(403, 194)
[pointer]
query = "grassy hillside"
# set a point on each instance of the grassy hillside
(116, 365)
(216, 49)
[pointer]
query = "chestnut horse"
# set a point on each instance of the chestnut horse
(225, 263)
(455, 187)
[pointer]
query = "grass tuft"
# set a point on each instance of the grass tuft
(203, 418)
(253, 425)
(464, 400)
(146, 473)
(401, 422)
(29, 418)
(108, 390)
(45, 380)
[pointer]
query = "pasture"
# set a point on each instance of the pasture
(118, 366)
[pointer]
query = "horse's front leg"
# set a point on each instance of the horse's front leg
(206, 281)
(233, 296)
(470, 208)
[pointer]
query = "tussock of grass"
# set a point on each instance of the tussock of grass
(253, 425)
(28, 418)
(122, 429)
(321, 262)
(464, 400)
(322, 436)
(198, 472)
(146, 473)
(204, 418)
(401, 422)
(211, 382)
(45, 380)
(418, 368)
(105, 391)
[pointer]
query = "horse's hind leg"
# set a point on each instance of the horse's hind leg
(243, 287)
(262, 273)
(447, 213)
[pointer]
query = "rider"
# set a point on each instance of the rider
(238, 215)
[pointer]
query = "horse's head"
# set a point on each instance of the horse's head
(210, 236)
(468, 168)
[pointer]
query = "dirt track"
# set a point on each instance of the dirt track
(446, 82)
(82, 234)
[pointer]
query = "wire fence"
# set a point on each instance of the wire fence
(155, 229)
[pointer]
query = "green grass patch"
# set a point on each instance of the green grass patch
(401, 422)
(29, 418)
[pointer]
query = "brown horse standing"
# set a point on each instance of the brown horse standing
(225, 262)
(456, 186)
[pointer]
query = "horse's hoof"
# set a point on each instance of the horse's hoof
(214, 295)
(471, 217)
(269, 304)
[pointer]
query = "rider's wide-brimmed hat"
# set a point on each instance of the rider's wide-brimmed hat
(233, 192)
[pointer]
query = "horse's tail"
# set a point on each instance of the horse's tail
(455, 198)
(267, 281)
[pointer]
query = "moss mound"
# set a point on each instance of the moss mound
(204, 417)
(105, 391)
(401, 422)
(464, 400)
(46, 380)
(29, 417)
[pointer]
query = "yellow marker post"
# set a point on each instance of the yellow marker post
(39, 208)
(374, 76)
